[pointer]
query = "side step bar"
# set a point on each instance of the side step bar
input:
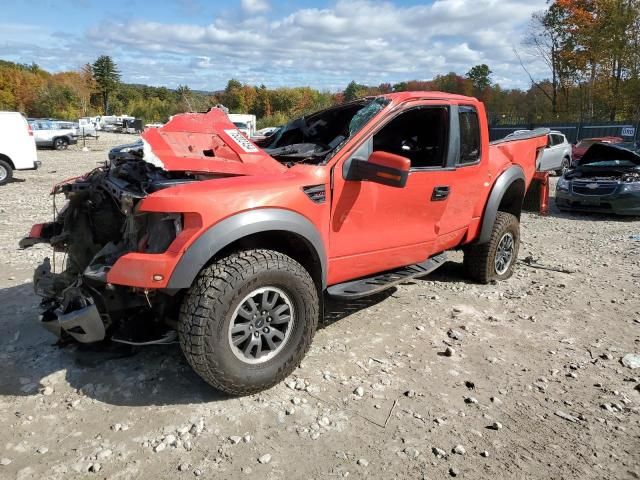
(377, 283)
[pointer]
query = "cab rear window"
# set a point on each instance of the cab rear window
(469, 136)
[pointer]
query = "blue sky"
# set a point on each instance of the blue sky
(276, 42)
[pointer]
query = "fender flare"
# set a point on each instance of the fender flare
(500, 187)
(238, 226)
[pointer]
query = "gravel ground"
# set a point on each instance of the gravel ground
(534, 386)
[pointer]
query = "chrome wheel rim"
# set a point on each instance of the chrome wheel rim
(3, 173)
(504, 253)
(261, 325)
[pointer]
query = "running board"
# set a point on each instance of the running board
(377, 283)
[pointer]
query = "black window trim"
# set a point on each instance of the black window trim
(445, 164)
(457, 160)
(450, 155)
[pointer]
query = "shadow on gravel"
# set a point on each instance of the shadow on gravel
(336, 310)
(450, 272)
(554, 211)
(111, 373)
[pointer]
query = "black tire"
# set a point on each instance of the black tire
(6, 172)
(564, 166)
(60, 143)
(207, 310)
(480, 260)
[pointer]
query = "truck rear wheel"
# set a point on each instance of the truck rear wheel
(6, 172)
(496, 259)
(248, 320)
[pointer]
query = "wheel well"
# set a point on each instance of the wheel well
(512, 199)
(288, 243)
(8, 160)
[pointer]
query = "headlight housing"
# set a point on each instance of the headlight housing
(158, 231)
(562, 185)
(631, 187)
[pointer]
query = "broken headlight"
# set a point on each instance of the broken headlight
(562, 185)
(631, 187)
(159, 230)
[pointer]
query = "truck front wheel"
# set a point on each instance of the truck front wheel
(248, 320)
(496, 259)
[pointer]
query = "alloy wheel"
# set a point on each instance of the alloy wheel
(261, 325)
(504, 253)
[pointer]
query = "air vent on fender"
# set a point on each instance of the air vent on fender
(316, 193)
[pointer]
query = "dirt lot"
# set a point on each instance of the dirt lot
(534, 389)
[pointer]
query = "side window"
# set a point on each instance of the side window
(419, 134)
(558, 139)
(469, 136)
(550, 141)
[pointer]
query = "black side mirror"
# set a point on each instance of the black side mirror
(381, 167)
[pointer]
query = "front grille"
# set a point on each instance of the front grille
(594, 188)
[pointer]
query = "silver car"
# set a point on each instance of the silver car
(53, 133)
(557, 154)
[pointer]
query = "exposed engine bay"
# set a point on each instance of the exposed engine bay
(315, 138)
(607, 163)
(98, 224)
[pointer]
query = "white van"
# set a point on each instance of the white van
(17, 146)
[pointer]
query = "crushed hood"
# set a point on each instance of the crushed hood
(600, 152)
(208, 143)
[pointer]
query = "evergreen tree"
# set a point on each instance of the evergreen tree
(107, 77)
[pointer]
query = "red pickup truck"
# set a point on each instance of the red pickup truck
(236, 245)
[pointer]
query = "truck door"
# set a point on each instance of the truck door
(376, 227)
(467, 176)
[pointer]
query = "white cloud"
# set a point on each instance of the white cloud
(255, 6)
(366, 40)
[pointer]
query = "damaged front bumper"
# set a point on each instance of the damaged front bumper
(618, 204)
(85, 325)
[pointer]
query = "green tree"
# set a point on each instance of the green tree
(353, 91)
(234, 98)
(480, 77)
(107, 77)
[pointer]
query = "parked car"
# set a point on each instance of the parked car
(580, 148)
(557, 153)
(17, 146)
(127, 151)
(53, 134)
(236, 246)
(605, 179)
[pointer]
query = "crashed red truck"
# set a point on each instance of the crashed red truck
(236, 245)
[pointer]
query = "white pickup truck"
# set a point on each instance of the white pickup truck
(52, 133)
(17, 146)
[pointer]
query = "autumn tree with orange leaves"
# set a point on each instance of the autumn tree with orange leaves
(591, 50)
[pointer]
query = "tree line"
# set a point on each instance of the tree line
(590, 47)
(592, 51)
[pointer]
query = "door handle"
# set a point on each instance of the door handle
(440, 193)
